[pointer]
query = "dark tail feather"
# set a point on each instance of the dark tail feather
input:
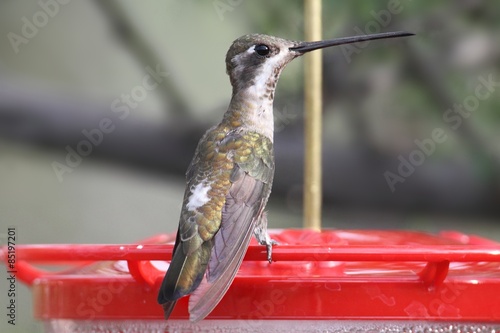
(168, 308)
(183, 275)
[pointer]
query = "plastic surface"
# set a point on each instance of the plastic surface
(268, 326)
(329, 275)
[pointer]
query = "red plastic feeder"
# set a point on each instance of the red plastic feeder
(329, 281)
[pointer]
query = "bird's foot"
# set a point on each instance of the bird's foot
(268, 242)
(263, 238)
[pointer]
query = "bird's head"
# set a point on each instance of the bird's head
(257, 60)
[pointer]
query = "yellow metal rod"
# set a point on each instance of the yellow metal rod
(313, 108)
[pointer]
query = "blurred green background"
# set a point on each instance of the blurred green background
(65, 66)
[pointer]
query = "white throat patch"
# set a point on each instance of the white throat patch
(260, 108)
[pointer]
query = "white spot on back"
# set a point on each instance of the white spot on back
(198, 196)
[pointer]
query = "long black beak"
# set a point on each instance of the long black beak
(304, 47)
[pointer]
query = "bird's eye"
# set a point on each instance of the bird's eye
(262, 49)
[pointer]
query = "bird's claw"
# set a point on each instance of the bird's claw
(269, 247)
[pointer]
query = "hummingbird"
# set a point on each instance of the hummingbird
(230, 177)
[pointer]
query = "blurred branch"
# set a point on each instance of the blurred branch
(58, 122)
(131, 39)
